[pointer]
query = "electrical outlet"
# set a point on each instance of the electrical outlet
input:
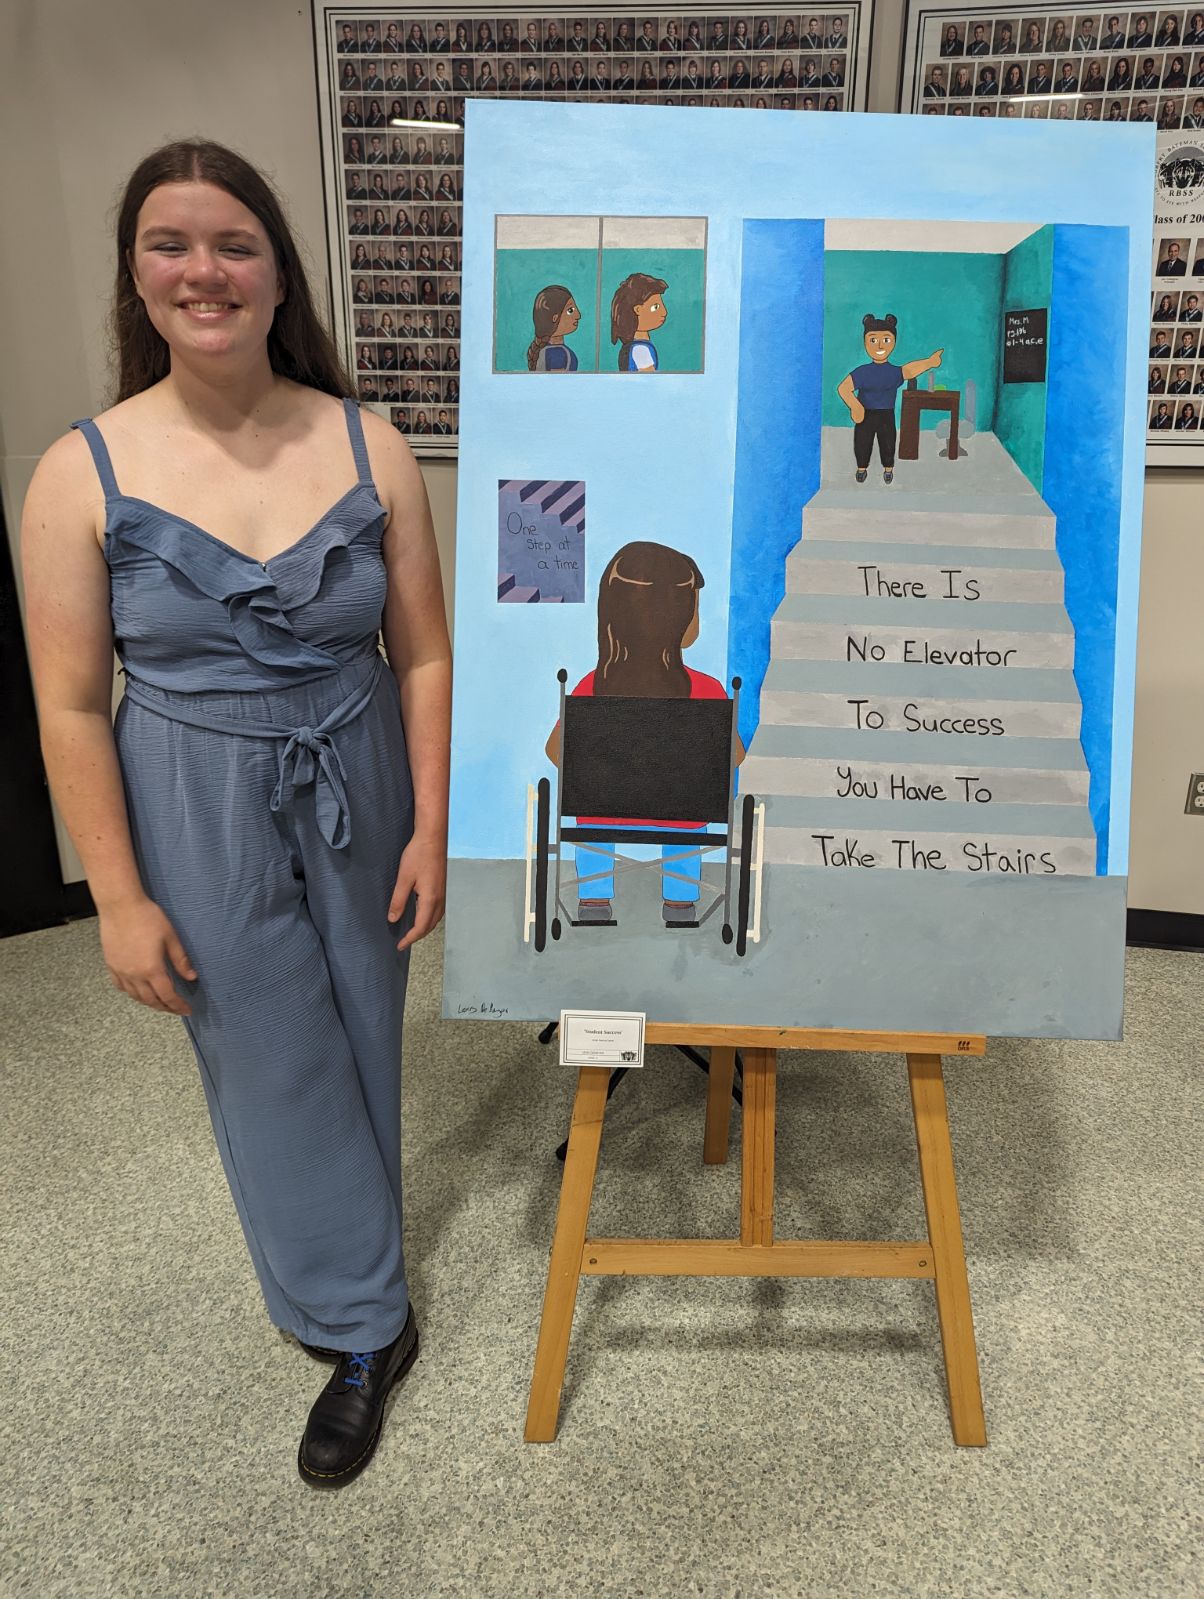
(1195, 795)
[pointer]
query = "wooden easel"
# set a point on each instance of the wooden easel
(940, 1257)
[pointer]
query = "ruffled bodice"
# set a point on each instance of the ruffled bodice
(191, 613)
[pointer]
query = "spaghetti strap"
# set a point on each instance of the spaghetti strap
(355, 428)
(100, 455)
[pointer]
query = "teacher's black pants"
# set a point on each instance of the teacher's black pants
(878, 425)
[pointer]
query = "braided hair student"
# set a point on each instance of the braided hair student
(869, 392)
(555, 314)
(636, 310)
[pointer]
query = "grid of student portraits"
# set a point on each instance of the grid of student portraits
(1176, 363)
(1087, 64)
(395, 86)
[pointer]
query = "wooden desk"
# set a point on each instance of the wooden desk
(917, 400)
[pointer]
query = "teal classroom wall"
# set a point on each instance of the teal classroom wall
(944, 300)
(521, 274)
(1020, 414)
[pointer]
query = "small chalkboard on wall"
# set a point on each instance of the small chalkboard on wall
(1024, 340)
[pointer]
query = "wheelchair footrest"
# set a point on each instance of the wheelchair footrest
(573, 923)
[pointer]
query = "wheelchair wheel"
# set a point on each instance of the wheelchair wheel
(747, 827)
(556, 927)
(543, 809)
(728, 935)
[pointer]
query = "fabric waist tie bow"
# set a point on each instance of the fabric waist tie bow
(307, 755)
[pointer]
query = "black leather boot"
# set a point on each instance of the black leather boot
(344, 1425)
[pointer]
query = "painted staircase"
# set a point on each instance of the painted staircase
(920, 710)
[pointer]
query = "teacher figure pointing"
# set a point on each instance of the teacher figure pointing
(869, 392)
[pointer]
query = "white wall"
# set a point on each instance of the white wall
(87, 87)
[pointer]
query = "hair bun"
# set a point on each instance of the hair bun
(868, 320)
(891, 321)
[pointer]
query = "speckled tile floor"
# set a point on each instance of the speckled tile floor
(728, 1439)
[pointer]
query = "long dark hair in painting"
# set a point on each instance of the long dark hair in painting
(624, 324)
(545, 314)
(646, 603)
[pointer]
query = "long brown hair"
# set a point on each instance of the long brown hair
(646, 602)
(299, 347)
(545, 313)
(631, 292)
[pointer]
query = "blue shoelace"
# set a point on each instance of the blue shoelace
(361, 1364)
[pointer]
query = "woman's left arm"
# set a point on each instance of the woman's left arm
(416, 642)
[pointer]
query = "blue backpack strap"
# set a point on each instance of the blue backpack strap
(355, 428)
(100, 455)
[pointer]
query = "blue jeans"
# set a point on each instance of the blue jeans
(680, 878)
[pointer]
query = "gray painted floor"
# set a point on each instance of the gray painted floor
(911, 950)
(718, 1438)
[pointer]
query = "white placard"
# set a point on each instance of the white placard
(602, 1037)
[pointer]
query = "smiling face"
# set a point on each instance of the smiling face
(879, 342)
(203, 266)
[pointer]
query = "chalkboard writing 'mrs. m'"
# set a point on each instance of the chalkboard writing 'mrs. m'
(1024, 341)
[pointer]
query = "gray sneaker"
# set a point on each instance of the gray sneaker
(680, 912)
(594, 910)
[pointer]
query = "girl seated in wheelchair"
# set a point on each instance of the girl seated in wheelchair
(647, 615)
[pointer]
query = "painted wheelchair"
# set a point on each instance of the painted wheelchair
(627, 758)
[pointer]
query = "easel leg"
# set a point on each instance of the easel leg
(564, 1269)
(948, 1253)
(757, 1140)
(719, 1106)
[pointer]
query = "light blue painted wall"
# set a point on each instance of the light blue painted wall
(658, 454)
(944, 300)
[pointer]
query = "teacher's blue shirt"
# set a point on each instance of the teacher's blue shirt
(877, 383)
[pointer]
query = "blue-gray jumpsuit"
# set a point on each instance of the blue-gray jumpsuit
(269, 798)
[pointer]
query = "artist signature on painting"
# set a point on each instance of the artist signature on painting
(485, 1008)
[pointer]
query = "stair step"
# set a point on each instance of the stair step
(934, 816)
(900, 751)
(802, 761)
(766, 775)
(838, 627)
(981, 852)
(991, 682)
(959, 576)
(1019, 521)
(848, 609)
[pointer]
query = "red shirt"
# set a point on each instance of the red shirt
(702, 687)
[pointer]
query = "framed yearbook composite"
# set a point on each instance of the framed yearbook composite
(1109, 64)
(392, 85)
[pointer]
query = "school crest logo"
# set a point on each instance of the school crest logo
(1181, 172)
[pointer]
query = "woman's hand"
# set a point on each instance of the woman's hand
(858, 411)
(935, 358)
(422, 872)
(139, 943)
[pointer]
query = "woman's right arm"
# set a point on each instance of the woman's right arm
(70, 638)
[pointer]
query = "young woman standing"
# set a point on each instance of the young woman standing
(264, 827)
